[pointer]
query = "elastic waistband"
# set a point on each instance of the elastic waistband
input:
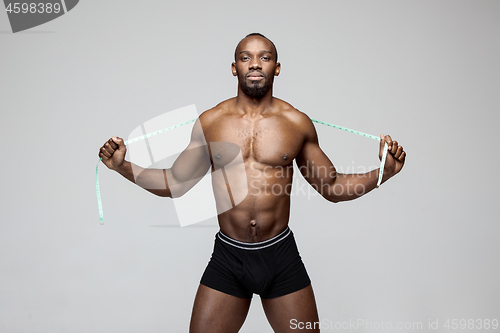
(258, 245)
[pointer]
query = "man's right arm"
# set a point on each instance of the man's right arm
(191, 165)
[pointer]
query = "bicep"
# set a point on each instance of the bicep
(194, 161)
(313, 163)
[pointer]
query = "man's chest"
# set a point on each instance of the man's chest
(269, 141)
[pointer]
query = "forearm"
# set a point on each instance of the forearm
(347, 187)
(152, 180)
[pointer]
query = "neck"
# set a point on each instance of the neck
(254, 106)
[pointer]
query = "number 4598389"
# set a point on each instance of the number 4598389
(470, 324)
(33, 8)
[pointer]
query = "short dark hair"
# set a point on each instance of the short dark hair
(259, 35)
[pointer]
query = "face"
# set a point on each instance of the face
(255, 66)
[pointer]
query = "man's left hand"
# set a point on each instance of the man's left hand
(395, 156)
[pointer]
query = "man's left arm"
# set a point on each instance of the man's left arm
(319, 171)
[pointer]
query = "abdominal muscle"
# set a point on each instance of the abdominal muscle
(265, 210)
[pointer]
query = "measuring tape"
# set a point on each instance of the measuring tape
(99, 201)
(384, 154)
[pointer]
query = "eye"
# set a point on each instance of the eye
(266, 58)
(245, 58)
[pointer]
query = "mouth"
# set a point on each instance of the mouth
(255, 76)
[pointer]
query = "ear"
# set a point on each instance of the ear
(277, 69)
(233, 69)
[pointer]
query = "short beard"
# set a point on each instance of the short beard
(255, 91)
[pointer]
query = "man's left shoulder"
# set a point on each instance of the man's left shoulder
(293, 114)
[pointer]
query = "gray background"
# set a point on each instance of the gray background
(422, 247)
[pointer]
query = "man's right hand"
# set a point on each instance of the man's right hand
(113, 153)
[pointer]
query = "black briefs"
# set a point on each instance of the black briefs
(271, 268)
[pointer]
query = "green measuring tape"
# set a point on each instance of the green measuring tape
(384, 154)
(99, 201)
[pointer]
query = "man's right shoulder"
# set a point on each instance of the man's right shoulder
(211, 115)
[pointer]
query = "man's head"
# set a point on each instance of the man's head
(255, 64)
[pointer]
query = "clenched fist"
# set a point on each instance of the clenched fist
(113, 153)
(395, 155)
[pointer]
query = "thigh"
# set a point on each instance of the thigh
(215, 311)
(286, 312)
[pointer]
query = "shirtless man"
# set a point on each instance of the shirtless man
(254, 251)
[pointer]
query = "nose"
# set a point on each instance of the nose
(255, 63)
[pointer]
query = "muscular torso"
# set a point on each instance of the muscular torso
(252, 167)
